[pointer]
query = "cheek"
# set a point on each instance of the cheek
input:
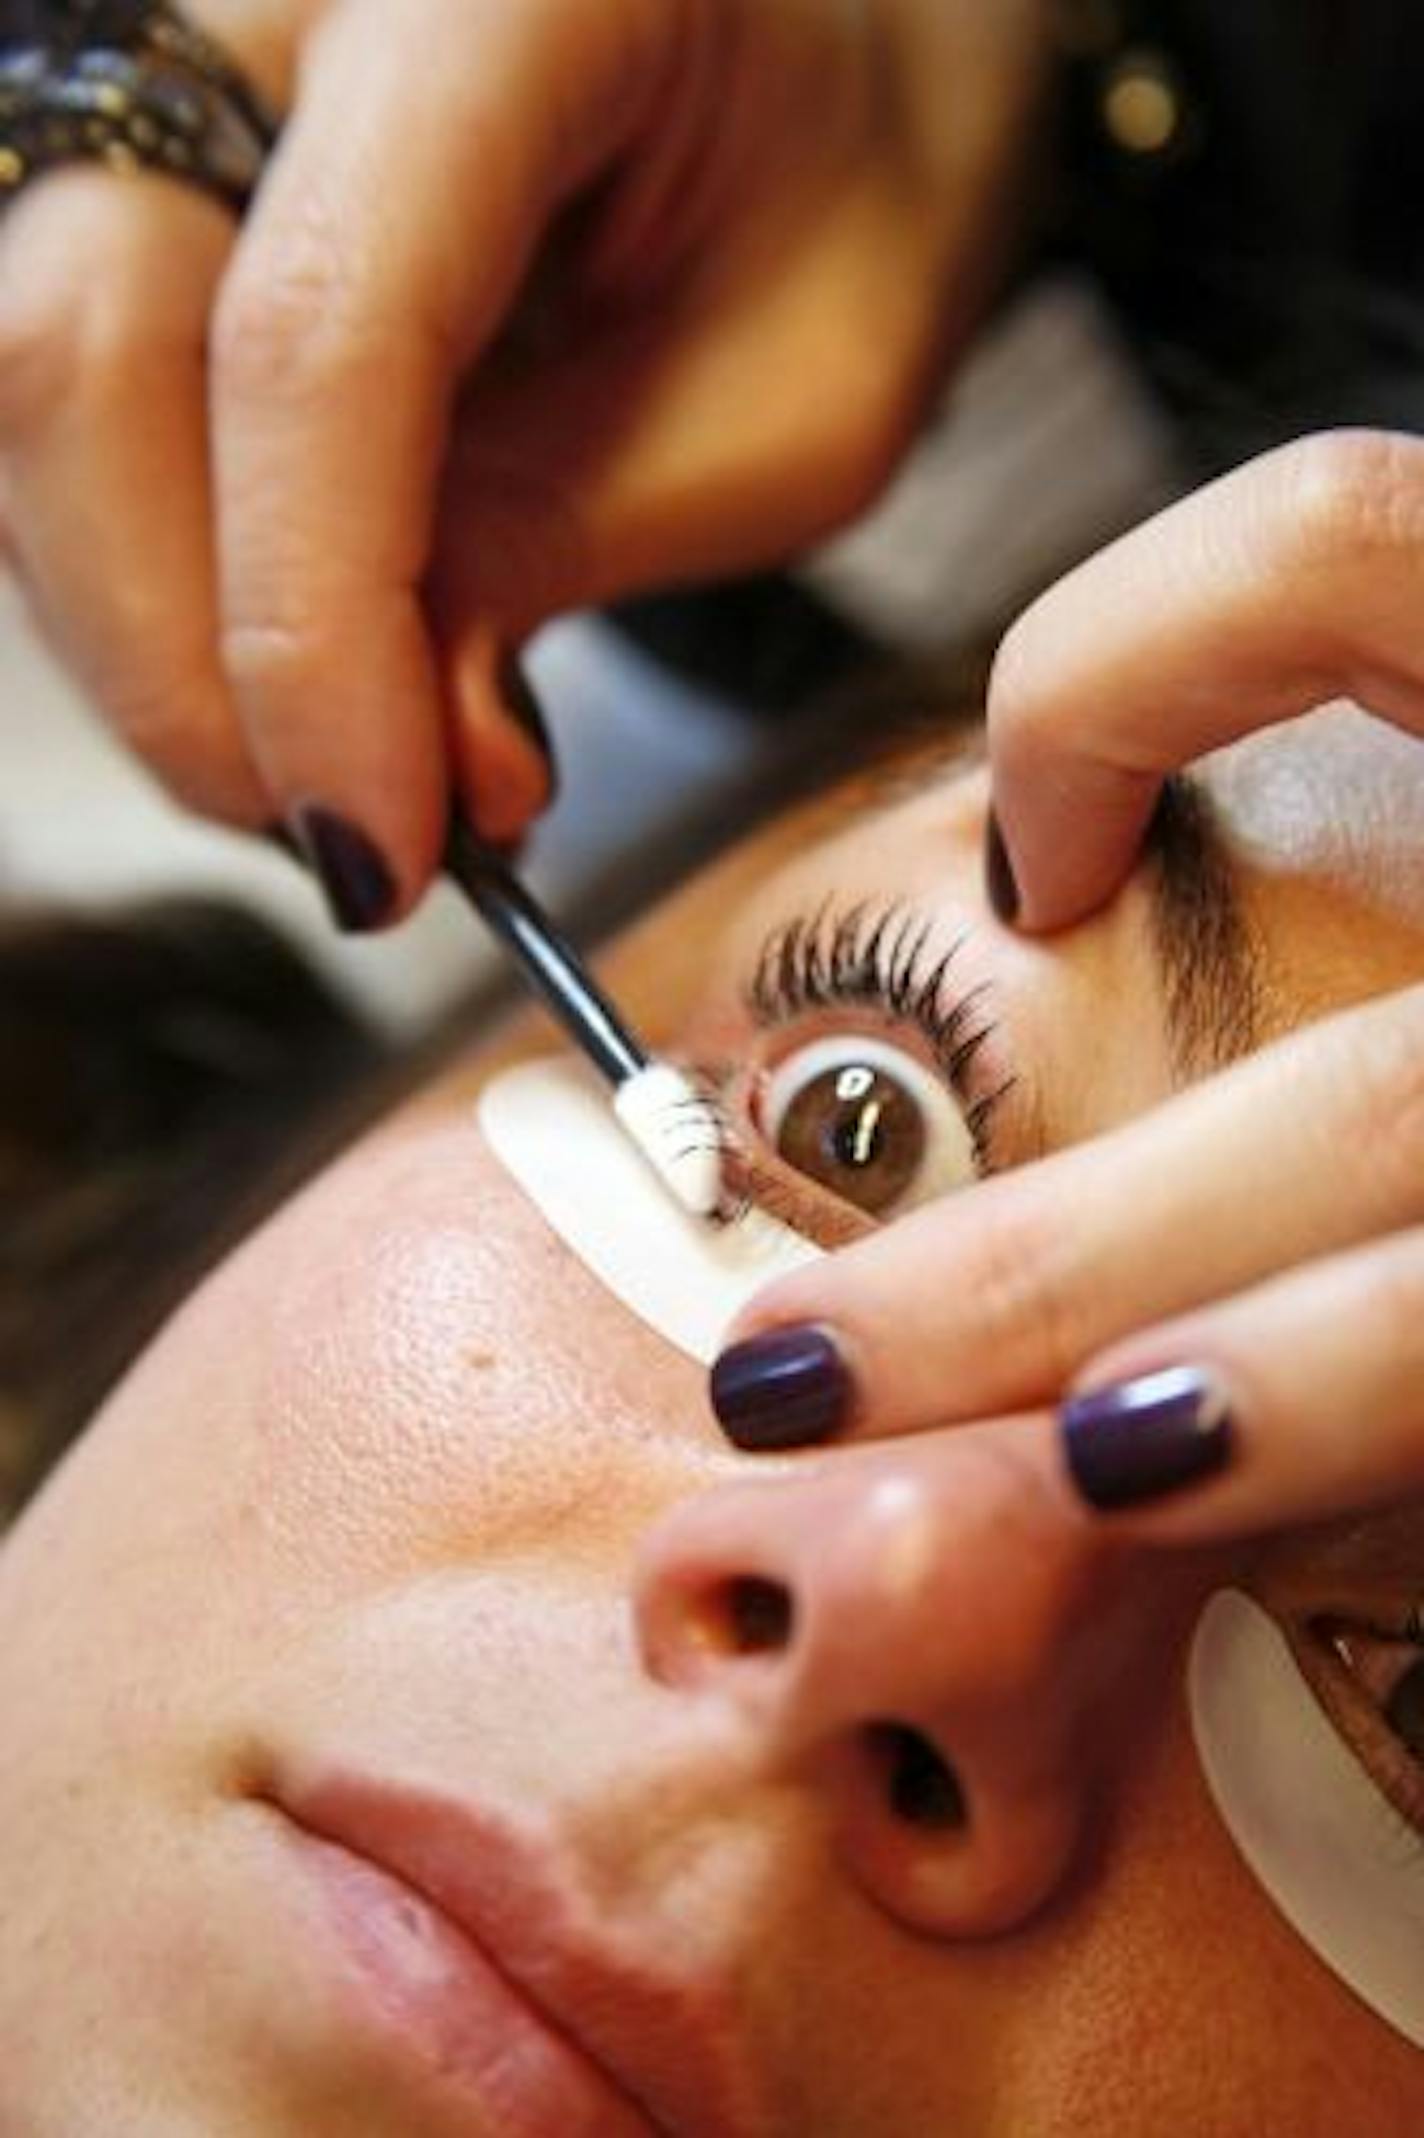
(405, 1372)
(550, 1126)
(1172, 1997)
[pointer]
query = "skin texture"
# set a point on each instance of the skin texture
(404, 1492)
(500, 337)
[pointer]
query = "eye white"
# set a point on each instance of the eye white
(949, 1158)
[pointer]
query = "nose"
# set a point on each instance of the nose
(935, 1640)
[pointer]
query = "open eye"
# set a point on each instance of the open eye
(867, 1122)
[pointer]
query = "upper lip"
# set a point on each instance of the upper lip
(669, 2044)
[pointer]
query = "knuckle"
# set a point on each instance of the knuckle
(259, 333)
(37, 363)
(1030, 1304)
(275, 655)
(1351, 497)
(1390, 1091)
(1392, 1309)
(287, 312)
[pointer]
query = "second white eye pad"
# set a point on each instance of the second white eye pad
(1313, 1827)
(550, 1125)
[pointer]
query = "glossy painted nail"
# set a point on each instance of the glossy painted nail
(999, 881)
(1137, 1441)
(790, 1389)
(351, 869)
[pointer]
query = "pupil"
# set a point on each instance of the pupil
(1404, 1710)
(857, 1132)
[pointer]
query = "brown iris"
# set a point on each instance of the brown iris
(857, 1132)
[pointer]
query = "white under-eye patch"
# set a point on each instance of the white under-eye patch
(550, 1125)
(1313, 1827)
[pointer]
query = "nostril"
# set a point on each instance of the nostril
(759, 1616)
(922, 1787)
(745, 1616)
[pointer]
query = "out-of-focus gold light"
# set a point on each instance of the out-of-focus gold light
(1142, 108)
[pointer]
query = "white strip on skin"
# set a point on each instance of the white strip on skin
(551, 1125)
(1314, 1829)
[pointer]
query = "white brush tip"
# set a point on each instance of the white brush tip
(678, 1129)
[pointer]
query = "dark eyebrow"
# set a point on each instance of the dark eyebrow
(1203, 945)
(1205, 948)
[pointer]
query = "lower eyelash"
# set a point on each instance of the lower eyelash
(880, 958)
(1393, 1768)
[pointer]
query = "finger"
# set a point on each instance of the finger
(993, 1300)
(1289, 582)
(394, 228)
(1299, 1400)
(621, 461)
(105, 288)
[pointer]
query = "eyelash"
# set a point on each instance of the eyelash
(1397, 1771)
(880, 958)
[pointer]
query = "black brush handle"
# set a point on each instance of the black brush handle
(551, 965)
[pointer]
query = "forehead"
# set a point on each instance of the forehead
(1324, 819)
(1338, 794)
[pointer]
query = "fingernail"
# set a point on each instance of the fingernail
(517, 694)
(786, 1390)
(999, 882)
(1140, 1440)
(352, 871)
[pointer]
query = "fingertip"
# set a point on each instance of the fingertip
(505, 767)
(371, 875)
(505, 787)
(786, 1388)
(1131, 1443)
(1061, 841)
(356, 878)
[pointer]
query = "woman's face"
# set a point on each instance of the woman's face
(334, 1632)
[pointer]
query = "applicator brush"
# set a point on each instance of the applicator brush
(676, 1126)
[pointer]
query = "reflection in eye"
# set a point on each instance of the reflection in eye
(867, 1122)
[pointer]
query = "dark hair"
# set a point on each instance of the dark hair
(167, 1074)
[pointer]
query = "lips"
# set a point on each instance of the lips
(670, 2045)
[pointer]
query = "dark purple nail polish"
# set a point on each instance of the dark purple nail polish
(352, 871)
(1140, 1440)
(999, 880)
(786, 1390)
